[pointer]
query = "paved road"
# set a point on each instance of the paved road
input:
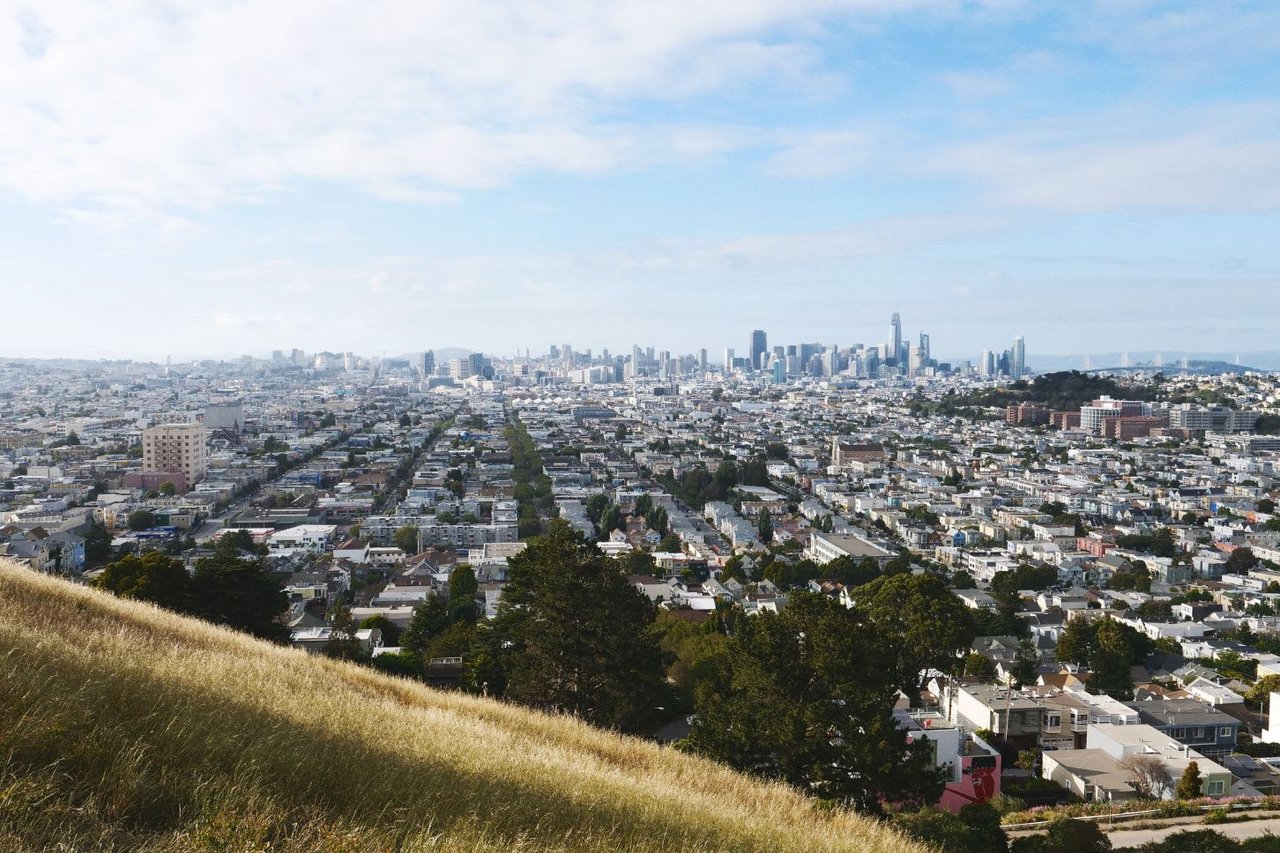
(1122, 838)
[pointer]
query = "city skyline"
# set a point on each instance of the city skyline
(188, 182)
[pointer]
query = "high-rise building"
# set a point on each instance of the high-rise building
(986, 363)
(924, 347)
(895, 337)
(429, 363)
(176, 448)
(728, 359)
(702, 359)
(759, 346)
(1018, 358)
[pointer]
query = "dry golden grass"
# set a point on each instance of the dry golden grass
(126, 727)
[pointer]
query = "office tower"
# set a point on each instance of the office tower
(554, 353)
(176, 448)
(924, 348)
(728, 359)
(702, 359)
(759, 346)
(429, 363)
(1018, 358)
(779, 371)
(983, 367)
(895, 337)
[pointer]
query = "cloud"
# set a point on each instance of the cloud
(1106, 162)
(126, 103)
(821, 154)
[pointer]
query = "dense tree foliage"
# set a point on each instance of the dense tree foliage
(224, 589)
(976, 829)
(809, 702)
(932, 629)
(571, 635)
(151, 577)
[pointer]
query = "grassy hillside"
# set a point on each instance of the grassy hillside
(126, 727)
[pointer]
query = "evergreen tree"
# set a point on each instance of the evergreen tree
(462, 594)
(571, 635)
(429, 619)
(809, 702)
(152, 577)
(1109, 661)
(1189, 783)
(343, 642)
(932, 629)
(97, 543)
(240, 594)
(1076, 642)
(765, 526)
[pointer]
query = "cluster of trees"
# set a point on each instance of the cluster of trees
(1160, 542)
(533, 487)
(225, 588)
(608, 516)
(699, 485)
(805, 696)
(442, 626)
(1109, 649)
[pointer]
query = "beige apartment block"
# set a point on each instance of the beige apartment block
(176, 447)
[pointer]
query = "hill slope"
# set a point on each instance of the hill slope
(126, 727)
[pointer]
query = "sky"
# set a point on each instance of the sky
(237, 176)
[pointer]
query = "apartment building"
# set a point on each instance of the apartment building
(176, 448)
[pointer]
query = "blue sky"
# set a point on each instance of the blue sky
(382, 177)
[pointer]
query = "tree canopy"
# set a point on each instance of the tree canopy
(808, 701)
(931, 627)
(571, 635)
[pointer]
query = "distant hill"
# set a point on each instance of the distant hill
(1169, 361)
(129, 728)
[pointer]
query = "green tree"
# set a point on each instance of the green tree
(808, 702)
(1076, 642)
(1240, 561)
(976, 829)
(240, 594)
(695, 657)
(390, 631)
(343, 642)
(1189, 783)
(571, 635)
(462, 594)
(979, 666)
(1110, 660)
(1066, 835)
(235, 542)
(764, 526)
(151, 577)
(141, 519)
(644, 505)
(1026, 663)
(1163, 543)
(429, 619)
(406, 538)
(97, 543)
(932, 629)
(168, 489)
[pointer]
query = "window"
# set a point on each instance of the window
(1216, 788)
(1225, 731)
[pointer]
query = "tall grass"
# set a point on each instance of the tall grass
(125, 727)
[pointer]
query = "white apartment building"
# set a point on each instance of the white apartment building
(176, 447)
